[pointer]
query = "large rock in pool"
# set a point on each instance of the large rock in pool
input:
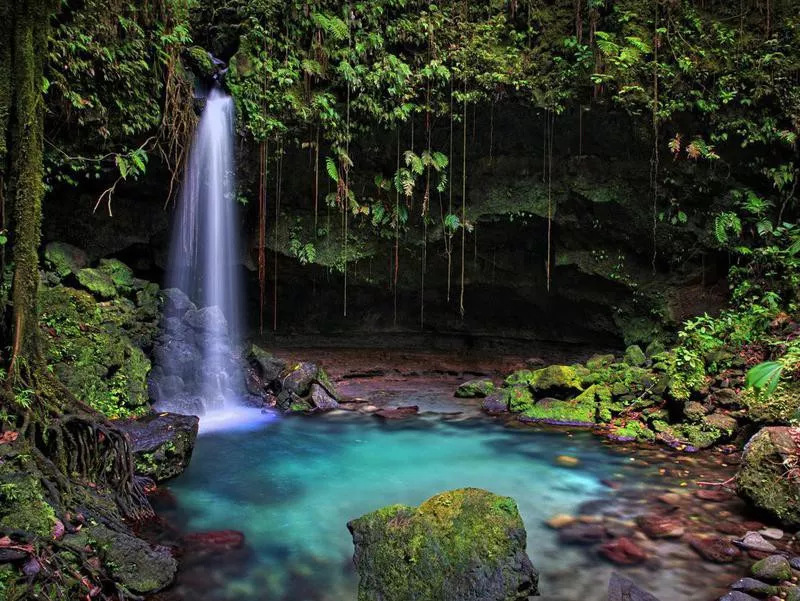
(162, 444)
(762, 478)
(475, 389)
(466, 544)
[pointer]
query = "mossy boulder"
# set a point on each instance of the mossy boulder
(575, 412)
(162, 444)
(762, 479)
(461, 544)
(199, 61)
(517, 398)
(630, 429)
(121, 275)
(555, 379)
(475, 389)
(777, 408)
(597, 362)
(98, 282)
(63, 259)
(269, 366)
(634, 355)
(22, 501)
(690, 436)
(135, 564)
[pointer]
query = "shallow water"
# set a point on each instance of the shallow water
(291, 484)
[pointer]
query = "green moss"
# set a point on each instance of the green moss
(199, 61)
(780, 407)
(632, 430)
(97, 282)
(64, 259)
(522, 377)
(762, 478)
(562, 412)
(121, 275)
(475, 389)
(518, 398)
(598, 362)
(700, 436)
(22, 500)
(429, 553)
(555, 377)
(634, 355)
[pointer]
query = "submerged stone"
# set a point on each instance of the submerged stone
(461, 544)
(622, 589)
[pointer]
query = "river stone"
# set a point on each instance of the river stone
(793, 594)
(321, 399)
(795, 563)
(494, 404)
(622, 589)
(755, 587)
(773, 568)
(475, 389)
(773, 533)
(466, 544)
(162, 444)
(737, 596)
(761, 479)
(715, 548)
(661, 526)
(756, 542)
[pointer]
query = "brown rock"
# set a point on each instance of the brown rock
(715, 548)
(713, 495)
(220, 540)
(623, 551)
(661, 526)
(398, 412)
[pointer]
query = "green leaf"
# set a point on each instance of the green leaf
(764, 377)
(330, 167)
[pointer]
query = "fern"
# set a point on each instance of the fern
(332, 25)
(727, 223)
(414, 162)
(330, 167)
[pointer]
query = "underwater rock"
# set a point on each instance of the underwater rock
(623, 551)
(461, 544)
(162, 444)
(397, 412)
(475, 389)
(661, 526)
(761, 479)
(218, 540)
(714, 548)
(622, 589)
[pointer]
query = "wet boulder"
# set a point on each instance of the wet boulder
(762, 479)
(177, 358)
(622, 589)
(208, 320)
(132, 562)
(461, 544)
(267, 365)
(162, 444)
(322, 399)
(176, 303)
(475, 389)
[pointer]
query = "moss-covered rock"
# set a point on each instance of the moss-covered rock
(631, 429)
(475, 389)
(597, 362)
(64, 259)
(517, 398)
(119, 273)
(99, 283)
(555, 378)
(763, 480)
(634, 355)
(690, 436)
(554, 411)
(22, 501)
(777, 408)
(462, 544)
(162, 444)
(135, 564)
(199, 61)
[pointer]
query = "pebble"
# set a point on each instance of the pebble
(670, 498)
(567, 461)
(659, 526)
(795, 563)
(623, 551)
(715, 548)
(754, 541)
(773, 533)
(560, 520)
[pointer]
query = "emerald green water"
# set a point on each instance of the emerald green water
(291, 484)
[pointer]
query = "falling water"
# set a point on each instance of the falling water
(198, 345)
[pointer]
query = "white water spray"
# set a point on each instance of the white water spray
(199, 345)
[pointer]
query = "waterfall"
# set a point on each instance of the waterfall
(196, 368)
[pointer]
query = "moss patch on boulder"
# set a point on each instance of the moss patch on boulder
(462, 544)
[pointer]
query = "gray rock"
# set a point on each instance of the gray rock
(299, 377)
(269, 367)
(772, 569)
(494, 404)
(177, 358)
(724, 422)
(756, 542)
(208, 319)
(773, 533)
(755, 587)
(794, 562)
(737, 596)
(176, 303)
(321, 399)
(162, 444)
(622, 589)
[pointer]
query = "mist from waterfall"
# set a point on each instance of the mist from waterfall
(200, 339)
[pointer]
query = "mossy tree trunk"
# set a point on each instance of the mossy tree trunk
(71, 442)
